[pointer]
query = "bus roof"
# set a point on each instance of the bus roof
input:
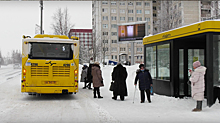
(50, 39)
(188, 30)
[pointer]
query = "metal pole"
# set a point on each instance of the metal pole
(41, 19)
(132, 53)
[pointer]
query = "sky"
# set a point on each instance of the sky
(19, 18)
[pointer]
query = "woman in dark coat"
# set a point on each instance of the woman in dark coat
(145, 82)
(119, 76)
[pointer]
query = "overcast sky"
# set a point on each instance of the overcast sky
(19, 18)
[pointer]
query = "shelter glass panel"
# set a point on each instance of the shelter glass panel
(163, 61)
(151, 60)
(216, 60)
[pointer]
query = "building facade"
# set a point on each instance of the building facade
(86, 43)
(105, 17)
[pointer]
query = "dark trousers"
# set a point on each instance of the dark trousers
(89, 85)
(122, 97)
(199, 105)
(96, 90)
(143, 95)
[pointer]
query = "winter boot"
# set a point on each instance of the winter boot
(198, 107)
(94, 92)
(98, 92)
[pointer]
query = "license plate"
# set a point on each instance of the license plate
(50, 82)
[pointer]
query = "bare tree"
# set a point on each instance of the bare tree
(168, 16)
(61, 24)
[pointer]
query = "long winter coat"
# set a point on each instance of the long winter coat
(119, 76)
(84, 75)
(97, 76)
(144, 78)
(198, 83)
(89, 73)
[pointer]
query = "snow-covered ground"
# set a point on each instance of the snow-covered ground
(82, 107)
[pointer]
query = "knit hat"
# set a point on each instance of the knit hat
(196, 64)
(141, 65)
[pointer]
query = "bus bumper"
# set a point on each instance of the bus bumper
(51, 90)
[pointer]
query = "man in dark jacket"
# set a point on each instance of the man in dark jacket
(145, 82)
(89, 76)
(119, 76)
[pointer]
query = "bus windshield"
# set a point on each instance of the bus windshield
(51, 51)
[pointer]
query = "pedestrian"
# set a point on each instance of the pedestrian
(97, 79)
(145, 82)
(89, 76)
(84, 75)
(198, 84)
(119, 76)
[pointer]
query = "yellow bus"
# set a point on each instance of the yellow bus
(50, 64)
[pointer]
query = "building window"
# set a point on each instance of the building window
(148, 26)
(130, 3)
(113, 17)
(104, 2)
(147, 11)
(105, 41)
(104, 10)
(114, 41)
(105, 49)
(113, 11)
(163, 61)
(122, 3)
(114, 25)
(113, 3)
(179, 4)
(154, 1)
(122, 49)
(104, 33)
(154, 8)
(139, 18)
(138, 3)
(114, 33)
(105, 25)
(122, 11)
(180, 21)
(130, 11)
(130, 18)
(147, 4)
(129, 49)
(147, 19)
(139, 11)
(115, 56)
(151, 60)
(139, 49)
(154, 15)
(122, 18)
(112, 57)
(105, 17)
(114, 49)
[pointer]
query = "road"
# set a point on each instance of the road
(18, 107)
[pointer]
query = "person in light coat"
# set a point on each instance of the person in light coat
(198, 84)
(84, 75)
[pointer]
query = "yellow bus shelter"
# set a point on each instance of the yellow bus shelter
(169, 55)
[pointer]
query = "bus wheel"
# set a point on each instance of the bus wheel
(31, 93)
(70, 92)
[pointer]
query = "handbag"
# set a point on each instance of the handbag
(112, 86)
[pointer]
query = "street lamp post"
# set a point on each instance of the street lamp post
(41, 19)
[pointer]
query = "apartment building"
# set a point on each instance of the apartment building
(105, 17)
(172, 14)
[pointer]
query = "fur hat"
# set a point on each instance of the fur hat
(196, 64)
(141, 65)
(96, 63)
